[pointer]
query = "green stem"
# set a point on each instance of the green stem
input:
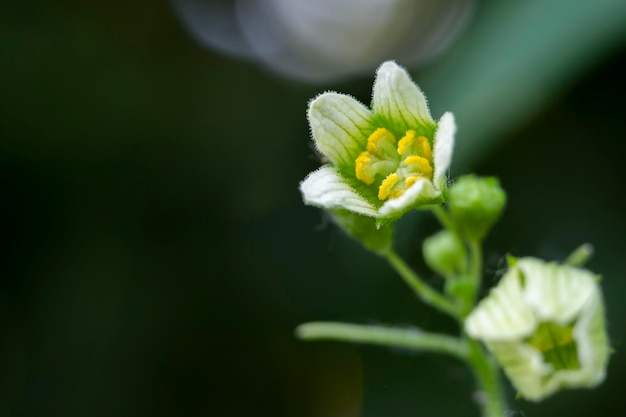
(491, 399)
(423, 290)
(385, 336)
(475, 270)
(476, 262)
(443, 218)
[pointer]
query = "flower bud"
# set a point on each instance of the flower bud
(476, 204)
(444, 253)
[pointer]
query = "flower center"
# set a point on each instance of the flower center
(394, 165)
(556, 344)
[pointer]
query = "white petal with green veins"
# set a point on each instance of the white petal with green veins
(340, 126)
(422, 190)
(397, 98)
(327, 189)
(563, 344)
(560, 297)
(503, 315)
(593, 346)
(443, 147)
(387, 160)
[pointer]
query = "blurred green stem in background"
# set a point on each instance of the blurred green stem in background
(486, 372)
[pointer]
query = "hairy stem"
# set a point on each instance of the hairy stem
(385, 336)
(423, 290)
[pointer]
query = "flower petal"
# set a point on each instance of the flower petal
(327, 189)
(420, 193)
(503, 315)
(525, 367)
(398, 99)
(556, 292)
(340, 126)
(535, 379)
(443, 147)
(592, 341)
(547, 293)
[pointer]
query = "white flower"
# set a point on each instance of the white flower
(544, 323)
(324, 39)
(384, 161)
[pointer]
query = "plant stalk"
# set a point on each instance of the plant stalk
(423, 290)
(377, 335)
(490, 396)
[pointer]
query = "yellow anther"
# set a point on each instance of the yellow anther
(372, 141)
(385, 187)
(425, 147)
(397, 194)
(405, 141)
(421, 162)
(381, 158)
(362, 162)
(411, 180)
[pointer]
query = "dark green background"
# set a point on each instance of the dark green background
(158, 256)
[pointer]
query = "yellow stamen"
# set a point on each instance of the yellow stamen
(421, 162)
(372, 141)
(411, 180)
(380, 158)
(362, 162)
(397, 194)
(405, 141)
(425, 147)
(385, 187)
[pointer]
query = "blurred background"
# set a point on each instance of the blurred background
(158, 255)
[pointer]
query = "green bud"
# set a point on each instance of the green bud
(365, 230)
(476, 204)
(462, 288)
(444, 253)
